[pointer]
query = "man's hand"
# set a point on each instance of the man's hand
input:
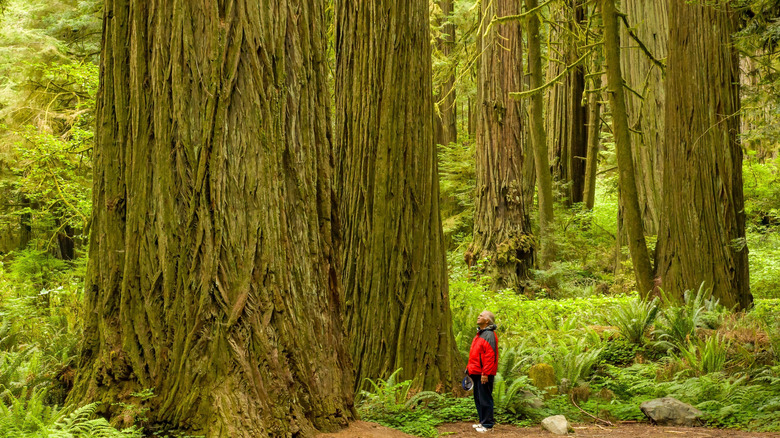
(484, 379)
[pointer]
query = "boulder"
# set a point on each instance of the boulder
(670, 411)
(532, 400)
(557, 424)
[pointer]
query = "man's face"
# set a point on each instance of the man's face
(482, 319)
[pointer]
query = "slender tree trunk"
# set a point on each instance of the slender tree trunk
(628, 192)
(594, 137)
(703, 219)
(504, 192)
(213, 276)
(539, 139)
(395, 274)
(25, 223)
(445, 120)
(566, 116)
(646, 115)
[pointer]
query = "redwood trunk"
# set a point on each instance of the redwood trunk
(212, 273)
(445, 121)
(505, 172)
(703, 219)
(646, 115)
(395, 274)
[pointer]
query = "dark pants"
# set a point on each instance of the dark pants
(483, 398)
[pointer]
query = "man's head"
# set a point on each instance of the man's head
(485, 319)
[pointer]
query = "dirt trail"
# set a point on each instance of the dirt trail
(361, 429)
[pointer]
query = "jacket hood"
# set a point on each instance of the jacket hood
(491, 327)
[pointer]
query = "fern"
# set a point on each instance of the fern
(634, 318)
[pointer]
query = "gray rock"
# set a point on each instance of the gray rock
(670, 411)
(532, 400)
(564, 386)
(557, 424)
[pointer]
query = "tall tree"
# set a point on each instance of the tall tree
(539, 135)
(395, 274)
(702, 235)
(626, 173)
(444, 121)
(566, 115)
(213, 276)
(505, 172)
(646, 113)
(594, 125)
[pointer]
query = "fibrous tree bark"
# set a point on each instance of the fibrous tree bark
(213, 275)
(646, 113)
(566, 115)
(395, 276)
(444, 121)
(626, 172)
(702, 237)
(539, 137)
(504, 163)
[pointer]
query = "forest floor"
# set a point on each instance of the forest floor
(362, 429)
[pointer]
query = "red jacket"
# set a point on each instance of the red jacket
(483, 356)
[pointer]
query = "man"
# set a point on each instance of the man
(483, 364)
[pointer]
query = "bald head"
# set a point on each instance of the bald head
(486, 318)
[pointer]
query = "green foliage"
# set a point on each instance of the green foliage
(30, 417)
(704, 356)
(388, 402)
(48, 55)
(679, 323)
(634, 318)
(618, 352)
(573, 361)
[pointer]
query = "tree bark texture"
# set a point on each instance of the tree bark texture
(626, 172)
(505, 172)
(213, 275)
(444, 120)
(703, 221)
(646, 115)
(395, 274)
(539, 138)
(566, 115)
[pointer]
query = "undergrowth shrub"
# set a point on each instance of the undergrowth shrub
(31, 417)
(633, 318)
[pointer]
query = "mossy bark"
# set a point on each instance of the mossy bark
(212, 275)
(539, 139)
(594, 135)
(626, 172)
(702, 235)
(503, 240)
(397, 310)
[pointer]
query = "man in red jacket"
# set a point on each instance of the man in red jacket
(483, 364)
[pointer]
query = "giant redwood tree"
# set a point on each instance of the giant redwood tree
(395, 275)
(504, 159)
(702, 238)
(213, 276)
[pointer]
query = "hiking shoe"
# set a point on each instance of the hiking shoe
(481, 429)
(476, 425)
